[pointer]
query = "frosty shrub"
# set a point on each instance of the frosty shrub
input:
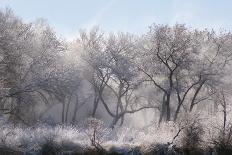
(93, 135)
(223, 140)
(50, 148)
(96, 131)
(192, 136)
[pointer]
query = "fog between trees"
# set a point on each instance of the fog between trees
(120, 78)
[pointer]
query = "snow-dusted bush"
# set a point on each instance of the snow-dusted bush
(93, 134)
(192, 136)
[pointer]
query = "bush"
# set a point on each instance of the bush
(192, 136)
(50, 148)
(223, 143)
(9, 151)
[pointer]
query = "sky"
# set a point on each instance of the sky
(67, 17)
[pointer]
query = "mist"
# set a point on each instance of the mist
(167, 91)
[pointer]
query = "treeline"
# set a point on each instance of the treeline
(170, 70)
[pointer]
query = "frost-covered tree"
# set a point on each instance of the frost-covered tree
(113, 73)
(182, 65)
(28, 52)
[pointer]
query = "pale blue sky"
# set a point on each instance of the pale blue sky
(68, 16)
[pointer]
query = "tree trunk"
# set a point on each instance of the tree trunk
(168, 117)
(224, 112)
(67, 108)
(163, 109)
(195, 96)
(95, 105)
(75, 111)
(177, 111)
(122, 120)
(63, 111)
(115, 121)
(168, 112)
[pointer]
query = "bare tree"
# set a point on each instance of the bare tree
(27, 53)
(166, 52)
(176, 61)
(113, 72)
